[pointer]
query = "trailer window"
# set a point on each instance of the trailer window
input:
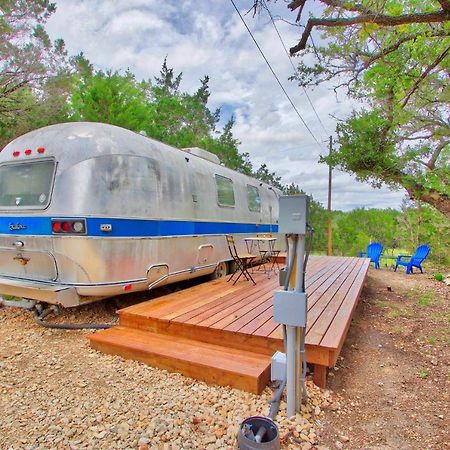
(225, 192)
(253, 198)
(26, 184)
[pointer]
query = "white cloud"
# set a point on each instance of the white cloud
(202, 38)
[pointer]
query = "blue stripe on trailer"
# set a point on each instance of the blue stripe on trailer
(41, 226)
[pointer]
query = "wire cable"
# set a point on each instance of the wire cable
(292, 64)
(275, 75)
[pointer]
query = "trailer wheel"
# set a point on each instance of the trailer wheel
(221, 271)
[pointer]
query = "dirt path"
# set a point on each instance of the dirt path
(394, 372)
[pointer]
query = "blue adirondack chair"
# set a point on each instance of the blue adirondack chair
(374, 250)
(413, 260)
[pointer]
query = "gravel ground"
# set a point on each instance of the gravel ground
(58, 393)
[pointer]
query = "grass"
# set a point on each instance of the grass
(424, 301)
(431, 340)
(423, 373)
(381, 303)
(394, 310)
(441, 317)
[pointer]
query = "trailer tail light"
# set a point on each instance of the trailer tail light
(16, 154)
(41, 150)
(69, 226)
(66, 227)
(28, 151)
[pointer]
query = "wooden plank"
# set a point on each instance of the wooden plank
(318, 306)
(341, 323)
(250, 317)
(269, 327)
(328, 283)
(213, 364)
(183, 297)
(241, 341)
(222, 319)
(201, 300)
(226, 305)
(328, 312)
(320, 376)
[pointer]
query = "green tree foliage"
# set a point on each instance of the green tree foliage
(111, 98)
(161, 110)
(29, 96)
(419, 224)
(393, 56)
(352, 231)
(318, 219)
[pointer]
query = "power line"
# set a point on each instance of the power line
(275, 75)
(292, 64)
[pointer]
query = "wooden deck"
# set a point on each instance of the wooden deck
(209, 331)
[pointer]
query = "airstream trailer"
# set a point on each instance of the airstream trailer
(90, 210)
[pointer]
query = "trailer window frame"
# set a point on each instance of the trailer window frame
(221, 183)
(49, 194)
(253, 203)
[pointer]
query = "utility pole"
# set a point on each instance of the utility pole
(330, 244)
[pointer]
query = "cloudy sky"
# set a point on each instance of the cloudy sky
(208, 37)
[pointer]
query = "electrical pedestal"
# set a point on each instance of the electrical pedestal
(290, 305)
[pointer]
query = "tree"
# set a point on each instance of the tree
(28, 59)
(419, 224)
(393, 56)
(110, 97)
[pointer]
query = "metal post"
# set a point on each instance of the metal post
(330, 246)
(299, 287)
(291, 366)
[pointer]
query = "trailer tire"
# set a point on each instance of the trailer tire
(220, 271)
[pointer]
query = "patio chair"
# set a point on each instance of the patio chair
(374, 250)
(242, 261)
(413, 260)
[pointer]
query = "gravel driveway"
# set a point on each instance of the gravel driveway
(58, 393)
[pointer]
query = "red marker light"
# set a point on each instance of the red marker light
(127, 287)
(41, 150)
(56, 227)
(28, 151)
(66, 227)
(16, 154)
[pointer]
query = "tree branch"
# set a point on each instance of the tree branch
(432, 162)
(424, 75)
(335, 3)
(395, 46)
(390, 21)
(445, 4)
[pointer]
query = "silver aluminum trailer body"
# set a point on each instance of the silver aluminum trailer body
(150, 214)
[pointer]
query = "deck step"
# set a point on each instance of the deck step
(211, 363)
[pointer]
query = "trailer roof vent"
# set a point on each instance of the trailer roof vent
(202, 154)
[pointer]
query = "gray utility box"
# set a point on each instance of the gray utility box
(293, 216)
(290, 308)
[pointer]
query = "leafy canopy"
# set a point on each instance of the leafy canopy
(33, 70)
(394, 57)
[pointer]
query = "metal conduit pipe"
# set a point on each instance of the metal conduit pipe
(303, 331)
(276, 399)
(300, 387)
(39, 317)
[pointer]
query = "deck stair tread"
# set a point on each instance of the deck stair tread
(201, 360)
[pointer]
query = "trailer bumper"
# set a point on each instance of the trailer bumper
(44, 292)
